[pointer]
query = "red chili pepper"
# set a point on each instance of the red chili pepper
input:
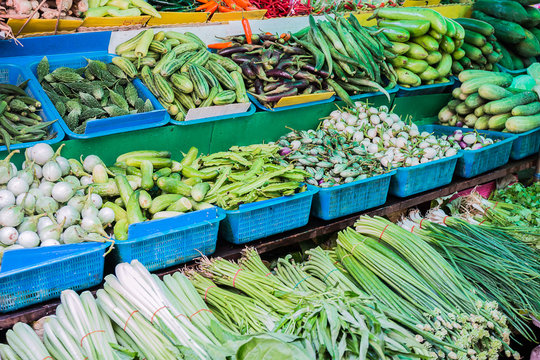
(224, 9)
(243, 3)
(212, 9)
(247, 29)
(205, 6)
(222, 45)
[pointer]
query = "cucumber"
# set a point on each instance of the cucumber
(452, 104)
(416, 66)
(479, 111)
(498, 122)
(437, 21)
(520, 124)
(198, 191)
(458, 54)
(526, 110)
(474, 100)
(451, 28)
(416, 52)
(444, 67)
(434, 57)
(396, 34)
(506, 60)
(429, 74)
(407, 77)
(427, 42)
(478, 26)
(457, 67)
(481, 123)
(413, 27)
(530, 47)
(487, 49)
(516, 61)
(445, 115)
(471, 86)
(447, 45)
(507, 104)
(502, 9)
(162, 202)
(506, 31)
(399, 48)
(182, 205)
(472, 52)
(466, 62)
(173, 186)
(474, 38)
(463, 109)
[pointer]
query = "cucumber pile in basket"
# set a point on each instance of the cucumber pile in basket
(480, 51)
(425, 42)
(96, 91)
(179, 70)
(486, 102)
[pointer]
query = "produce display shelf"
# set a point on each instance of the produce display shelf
(314, 229)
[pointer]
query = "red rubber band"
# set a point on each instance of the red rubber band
(335, 262)
(48, 357)
(494, 206)
(234, 278)
(268, 274)
(421, 223)
(90, 333)
(412, 229)
(444, 220)
(155, 312)
(380, 237)
(177, 316)
(130, 315)
(206, 292)
(210, 311)
(482, 222)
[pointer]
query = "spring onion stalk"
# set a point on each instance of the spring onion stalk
(183, 296)
(504, 269)
(267, 290)
(241, 313)
(147, 339)
(25, 342)
(59, 342)
(7, 353)
(136, 285)
(445, 280)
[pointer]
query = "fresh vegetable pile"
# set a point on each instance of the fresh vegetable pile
(424, 41)
(335, 55)
(515, 24)
(179, 70)
(44, 203)
(480, 51)
(281, 8)
(19, 117)
(484, 101)
(116, 8)
(96, 91)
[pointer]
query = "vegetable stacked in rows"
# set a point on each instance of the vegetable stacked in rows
(480, 51)
(330, 157)
(20, 121)
(179, 70)
(45, 202)
(425, 41)
(120, 8)
(516, 28)
(485, 101)
(96, 91)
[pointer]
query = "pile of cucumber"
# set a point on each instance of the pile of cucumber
(179, 70)
(480, 51)
(516, 29)
(485, 101)
(96, 91)
(425, 41)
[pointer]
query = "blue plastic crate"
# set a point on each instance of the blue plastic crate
(264, 218)
(162, 243)
(30, 276)
(513, 72)
(112, 125)
(426, 89)
(249, 112)
(260, 106)
(526, 144)
(12, 74)
(423, 177)
(333, 202)
(475, 162)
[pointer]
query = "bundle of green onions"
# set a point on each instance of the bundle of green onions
(418, 287)
(503, 268)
